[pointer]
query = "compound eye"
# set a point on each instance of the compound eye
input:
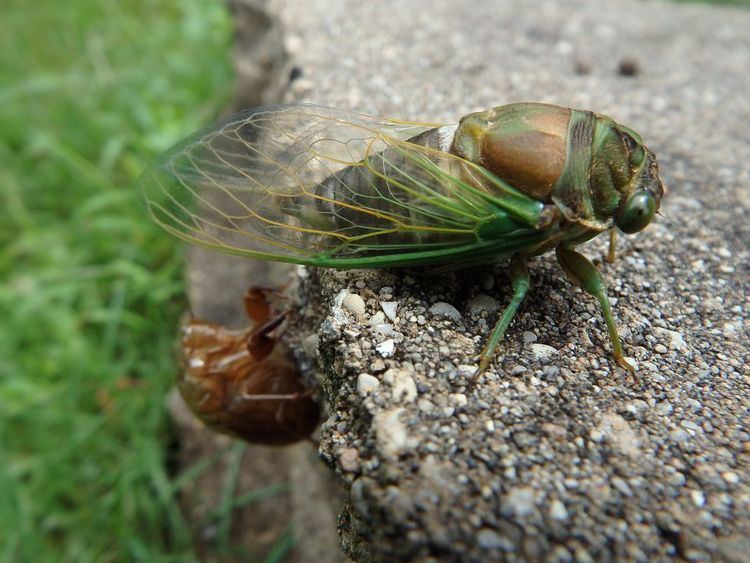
(636, 153)
(636, 213)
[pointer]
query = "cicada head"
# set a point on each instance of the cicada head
(595, 170)
(642, 194)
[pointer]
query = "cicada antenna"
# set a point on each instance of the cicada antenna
(669, 219)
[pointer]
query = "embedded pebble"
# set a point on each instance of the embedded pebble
(676, 341)
(618, 433)
(425, 405)
(386, 348)
(518, 502)
(442, 309)
(482, 303)
(377, 318)
(542, 351)
(402, 384)
(367, 384)
(529, 337)
(466, 370)
(622, 486)
(490, 539)
(349, 459)
(459, 399)
(354, 304)
(664, 408)
(389, 308)
(385, 329)
(557, 511)
(391, 436)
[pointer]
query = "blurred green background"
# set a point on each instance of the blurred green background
(90, 289)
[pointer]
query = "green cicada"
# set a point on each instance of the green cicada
(323, 187)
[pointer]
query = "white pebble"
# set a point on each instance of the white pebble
(402, 384)
(354, 304)
(391, 436)
(386, 348)
(385, 329)
(676, 341)
(425, 405)
(459, 399)
(518, 502)
(542, 351)
(557, 511)
(466, 370)
(367, 384)
(377, 318)
(389, 308)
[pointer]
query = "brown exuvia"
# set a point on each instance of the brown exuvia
(245, 382)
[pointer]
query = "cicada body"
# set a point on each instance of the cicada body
(245, 383)
(324, 187)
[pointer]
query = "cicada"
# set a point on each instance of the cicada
(245, 382)
(324, 187)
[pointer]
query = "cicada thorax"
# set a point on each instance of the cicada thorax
(573, 158)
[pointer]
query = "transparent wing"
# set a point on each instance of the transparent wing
(312, 185)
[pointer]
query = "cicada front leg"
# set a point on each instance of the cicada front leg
(584, 274)
(261, 340)
(611, 254)
(519, 278)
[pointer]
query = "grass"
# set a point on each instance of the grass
(90, 290)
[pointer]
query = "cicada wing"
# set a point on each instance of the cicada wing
(309, 184)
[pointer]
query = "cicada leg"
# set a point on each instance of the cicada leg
(279, 396)
(611, 255)
(583, 273)
(519, 278)
(261, 342)
(258, 307)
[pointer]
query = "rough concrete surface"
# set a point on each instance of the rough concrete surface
(554, 453)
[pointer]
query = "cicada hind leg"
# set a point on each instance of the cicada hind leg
(519, 277)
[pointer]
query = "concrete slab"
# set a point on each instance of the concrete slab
(554, 453)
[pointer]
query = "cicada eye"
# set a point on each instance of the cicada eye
(637, 212)
(635, 149)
